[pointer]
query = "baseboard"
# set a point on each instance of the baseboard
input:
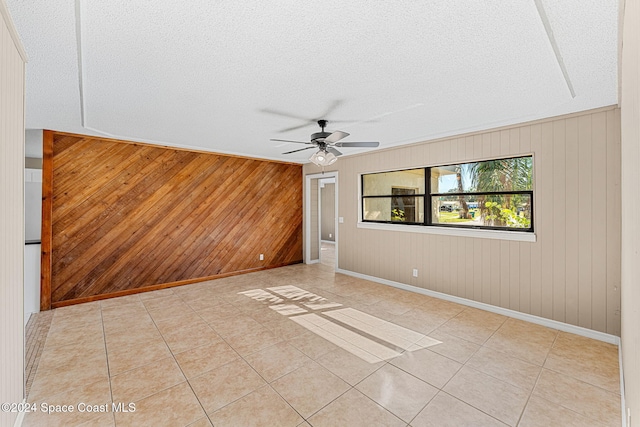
(553, 324)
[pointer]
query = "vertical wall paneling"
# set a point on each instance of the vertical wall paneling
(559, 217)
(599, 221)
(495, 258)
(454, 267)
(473, 276)
(122, 217)
(504, 273)
(572, 212)
(484, 261)
(630, 182)
(524, 281)
(536, 250)
(544, 219)
(12, 72)
(514, 276)
(613, 223)
(585, 242)
(569, 274)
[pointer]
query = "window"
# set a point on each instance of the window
(493, 194)
(394, 196)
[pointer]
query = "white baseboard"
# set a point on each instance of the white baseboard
(553, 324)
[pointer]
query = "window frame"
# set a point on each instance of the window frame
(428, 199)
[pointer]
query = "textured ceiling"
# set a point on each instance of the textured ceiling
(214, 74)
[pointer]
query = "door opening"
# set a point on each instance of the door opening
(321, 221)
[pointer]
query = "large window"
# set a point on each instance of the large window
(494, 194)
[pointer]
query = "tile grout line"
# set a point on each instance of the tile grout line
(470, 367)
(154, 361)
(524, 408)
(267, 383)
(173, 355)
(474, 352)
(106, 355)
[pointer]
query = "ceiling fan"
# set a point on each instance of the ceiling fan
(326, 142)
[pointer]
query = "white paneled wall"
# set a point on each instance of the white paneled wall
(570, 274)
(630, 101)
(11, 216)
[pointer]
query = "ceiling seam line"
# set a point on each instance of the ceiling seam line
(80, 68)
(556, 50)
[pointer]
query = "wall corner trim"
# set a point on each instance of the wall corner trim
(623, 403)
(4, 11)
(553, 324)
(21, 414)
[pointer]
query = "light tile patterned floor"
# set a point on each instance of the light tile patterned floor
(35, 335)
(213, 354)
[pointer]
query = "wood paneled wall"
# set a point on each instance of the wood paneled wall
(12, 80)
(570, 274)
(127, 217)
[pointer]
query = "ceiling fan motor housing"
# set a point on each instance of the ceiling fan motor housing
(319, 135)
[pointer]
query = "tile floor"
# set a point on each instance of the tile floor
(302, 346)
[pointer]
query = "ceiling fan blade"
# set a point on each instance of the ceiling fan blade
(334, 151)
(295, 151)
(311, 122)
(335, 137)
(357, 144)
(285, 114)
(288, 140)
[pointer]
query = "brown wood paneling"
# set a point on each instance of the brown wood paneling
(128, 217)
(47, 213)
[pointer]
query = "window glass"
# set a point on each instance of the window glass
(488, 194)
(407, 209)
(513, 174)
(382, 184)
(486, 210)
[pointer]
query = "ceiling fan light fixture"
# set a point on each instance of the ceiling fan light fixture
(323, 158)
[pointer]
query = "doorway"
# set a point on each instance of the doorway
(327, 211)
(321, 220)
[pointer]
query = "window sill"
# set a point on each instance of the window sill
(517, 236)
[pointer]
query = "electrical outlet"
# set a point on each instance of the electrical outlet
(415, 272)
(261, 257)
(330, 235)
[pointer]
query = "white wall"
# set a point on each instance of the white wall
(630, 106)
(32, 204)
(31, 280)
(12, 72)
(33, 143)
